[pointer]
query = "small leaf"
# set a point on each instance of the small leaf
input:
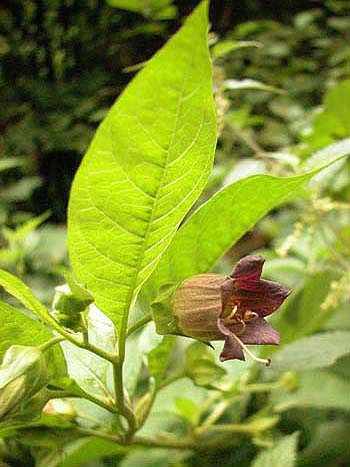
(148, 163)
(157, 9)
(7, 163)
(200, 366)
(234, 84)
(226, 46)
(187, 409)
(158, 358)
(282, 454)
(318, 351)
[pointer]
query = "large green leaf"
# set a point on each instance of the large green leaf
(218, 224)
(318, 351)
(148, 163)
(282, 454)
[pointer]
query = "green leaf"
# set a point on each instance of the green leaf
(334, 121)
(321, 157)
(234, 84)
(201, 367)
(329, 445)
(318, 351)
(317, 389)
(155, 457)
(148, 163)
(92, 373)
(218, 224)
(226, 46)
(302, 314)
(187, 409)
(158, 358)
(7, 163)
(15, 287)
(158, 9)
(282, 454)
(16, 328)
(88, 449)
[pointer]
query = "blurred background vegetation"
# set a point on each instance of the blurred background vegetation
(282, 89)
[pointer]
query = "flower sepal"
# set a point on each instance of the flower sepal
(162, 311)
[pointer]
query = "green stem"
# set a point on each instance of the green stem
(134, 327)
(142, 441)
(78, 343)
(94, 399)
(121, 406)
(231, 428)
(262, 387)
(46, 345)
(171, 379)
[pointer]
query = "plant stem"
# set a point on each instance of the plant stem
(231, 428)
(95, 399)
(79, 343)
(142, 441)
(134, 327)
(261, 387)
(121, 406)
(46, 345)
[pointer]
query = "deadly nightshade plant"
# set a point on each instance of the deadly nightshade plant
(147, 165)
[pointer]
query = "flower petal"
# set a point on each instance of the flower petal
(260, 332)
(232, 350)
(226, 293)
(248, 268)
(262, 296)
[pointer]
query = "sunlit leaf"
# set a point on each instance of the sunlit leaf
(148, 163)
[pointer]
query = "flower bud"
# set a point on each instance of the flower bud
(23, 373)
(69, 302)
